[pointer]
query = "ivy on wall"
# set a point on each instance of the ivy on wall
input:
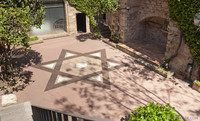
(183, 12)
(94, 7)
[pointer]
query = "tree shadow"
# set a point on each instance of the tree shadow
(130, 91)
(22, 60)
(85, 37)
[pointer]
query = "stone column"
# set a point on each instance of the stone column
(87, 24)
(70, 18)
(66, 4)
(123, 21)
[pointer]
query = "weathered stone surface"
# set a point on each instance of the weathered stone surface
(19, 112)
(195, 71)
(71, 25)
(149, 20)
(126, 19)
(8, 100)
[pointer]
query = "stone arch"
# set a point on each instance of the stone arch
(151, 36)
(147, 17)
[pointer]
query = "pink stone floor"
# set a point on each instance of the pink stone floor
(131, 86)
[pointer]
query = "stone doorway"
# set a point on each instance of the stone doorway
(81, 22)
(150, 38)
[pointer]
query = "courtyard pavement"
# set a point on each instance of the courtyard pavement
(83, 75)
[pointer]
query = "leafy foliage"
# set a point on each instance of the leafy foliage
(16, 20)
(36, 9)
(183, 12)
(14, 25)
(93, 8)
(155, 112)
(115, 38)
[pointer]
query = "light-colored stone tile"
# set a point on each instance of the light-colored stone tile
(51, 66)
(112, 64)
(98, 78)
(61, 79)
(96, 54)
(69, 55)
(8, 100)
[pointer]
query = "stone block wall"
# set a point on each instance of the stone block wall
(70, 13)
(133, 21)
(153, 29)
(184, 57)
(141, 10)
(131, 12)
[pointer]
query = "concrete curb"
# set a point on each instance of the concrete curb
(109, 42)
(45, 37)
(141, 58)
(51, 36)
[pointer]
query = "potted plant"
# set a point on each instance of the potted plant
(196, 85)
(180, 75)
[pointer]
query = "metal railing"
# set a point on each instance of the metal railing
(44, 114)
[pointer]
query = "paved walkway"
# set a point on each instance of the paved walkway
(85, 76)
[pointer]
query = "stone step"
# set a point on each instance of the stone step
(19, 112)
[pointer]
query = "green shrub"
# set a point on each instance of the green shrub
(115, 38)
(32, 39)
(155, 112)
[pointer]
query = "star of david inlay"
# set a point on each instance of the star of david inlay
(92, 67)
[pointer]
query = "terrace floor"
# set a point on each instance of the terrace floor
(151, 49)
(83, 75)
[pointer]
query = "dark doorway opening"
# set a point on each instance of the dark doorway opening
(81, 22)
(104, 16)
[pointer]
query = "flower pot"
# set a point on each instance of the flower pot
(196, 87)
(180, 76)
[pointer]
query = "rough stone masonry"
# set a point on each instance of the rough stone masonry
(137, 20)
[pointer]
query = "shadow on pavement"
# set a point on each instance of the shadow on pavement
(126, 94)
(85, 37)
(21, 60)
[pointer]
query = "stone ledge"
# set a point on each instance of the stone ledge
(50, 36)
(133, 52)
(107, 41)
(143, 59)
(130, 51)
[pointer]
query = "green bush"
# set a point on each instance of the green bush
(155, 112)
